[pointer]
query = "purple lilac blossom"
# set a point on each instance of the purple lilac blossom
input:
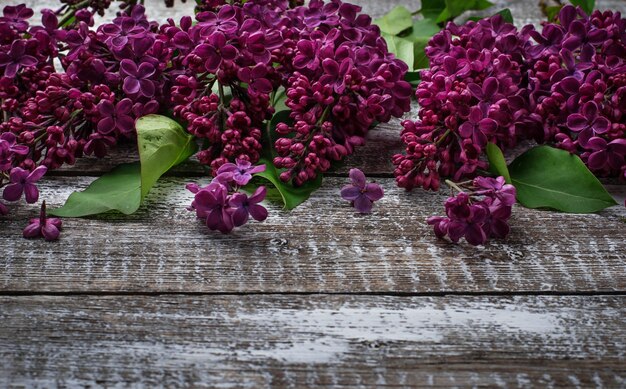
(360, 193)
(47, 227)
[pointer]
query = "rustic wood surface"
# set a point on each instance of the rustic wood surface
(319, 296)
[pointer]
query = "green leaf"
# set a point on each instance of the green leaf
(420, 34)
(552, 12)
(396, 21)
(118, 190)
(506, 15)
(412, 78)
(546, 177)
(401, 47)
(497, 163)
(288, 195)
(455, 8)
(431, 9)
(162, 144)
(586, 5)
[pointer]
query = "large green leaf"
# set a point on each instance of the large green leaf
(497, 163)
(455, 8)
(396, 21)
(284, 192)
(546, 177)
(586, 5)
(162, 144)
(420, 34)
(401, 47)
(431, 9)
(118, 190)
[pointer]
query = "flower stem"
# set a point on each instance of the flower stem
(454, 186)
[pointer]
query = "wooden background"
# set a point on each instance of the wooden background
(316, 296)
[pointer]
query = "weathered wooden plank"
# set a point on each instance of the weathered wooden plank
(320, 246)
(297, 341)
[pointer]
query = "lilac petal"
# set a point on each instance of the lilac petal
(125, 124)
(263, 85)
(128, 67)
(590, 110)
(28, 60)
(240, 216)
(147, 88)
(18, 174)
(570, 85)
(466, 129)
(32, 230)
(476, 91)
(229, 52)
(475, 235)
(106, 125)
(374, 192)
(597, 160)
(258, 212)
(11, 70)
(145, 70)
(31, 193)
(330, 67)
(363, 205)
(227, 167)
(13, 192)
(213, 62)
(357, 177)
(618, 146)
(350, 192)
(36, 174)
(50, 232)
(258, 195)
(596, 143)
(106, 108)
(490, 87)
(215, 219)
(131, 85)
(476, 114)
(601, 125)
(577, 122)
(488, 126)
(456, 230)
(257, 169)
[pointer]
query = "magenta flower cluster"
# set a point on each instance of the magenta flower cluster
(478, 213)
(489, 82)
(328, 61)
(221, 205)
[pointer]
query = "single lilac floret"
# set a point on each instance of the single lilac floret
(361, 193)
(49, 228)
(23, 182)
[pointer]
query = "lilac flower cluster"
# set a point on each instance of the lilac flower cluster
(341, 80)
(222, 205)
(111, 76)
(224, 78)
(489, 82)
(360, 193)
(477, 214)
(337, 75)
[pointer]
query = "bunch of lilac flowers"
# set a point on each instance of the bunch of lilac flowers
(340, 80)
(479, 212)
(222, 205)
(489, 82)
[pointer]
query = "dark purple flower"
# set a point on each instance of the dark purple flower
(606, 154)
(49, 228)
(224, 21)
(335, 73)
(255, 78)
(471, 226)
(137, 79)
(240, 172)
(216, 50)
(17, 16)
(489, 91)
(211, 205)
(478, 127)
(307, 55)
(496, 187)
(242, 206)
(8, 148)
(360, 193)
(119, 34)
(116, 117)
(588, 123)
(16, 58)
(77, 40)
(23, 181)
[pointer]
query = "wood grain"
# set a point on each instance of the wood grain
(321, 246)
(298, 341)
